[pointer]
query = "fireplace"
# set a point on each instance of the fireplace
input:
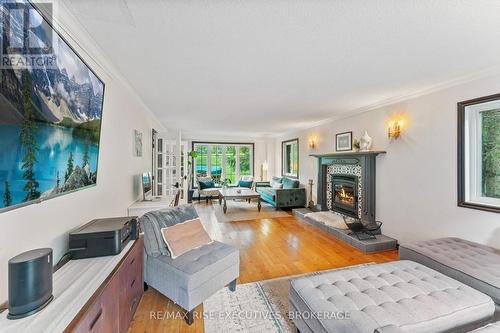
(346, 183)
(345, 194)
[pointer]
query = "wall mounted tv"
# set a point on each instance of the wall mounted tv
(50, 111)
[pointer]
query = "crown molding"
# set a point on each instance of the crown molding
(484, 73)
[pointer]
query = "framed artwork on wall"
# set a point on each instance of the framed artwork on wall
(343, 141)
(479, 153)
(50, 113)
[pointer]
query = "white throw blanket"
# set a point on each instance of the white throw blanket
(328, 218)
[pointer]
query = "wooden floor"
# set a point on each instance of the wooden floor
(269, 248)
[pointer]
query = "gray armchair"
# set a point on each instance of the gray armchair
(192, 277)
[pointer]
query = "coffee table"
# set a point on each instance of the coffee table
(238, 193)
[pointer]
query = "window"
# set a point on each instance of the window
(230, 173)
(290, 158)
(201, 161)
(479, 153)
(223, 161)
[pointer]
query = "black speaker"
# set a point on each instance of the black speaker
(30, 282)
(134, 230)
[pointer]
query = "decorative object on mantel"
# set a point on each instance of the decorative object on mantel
(310, 205)
(356, 144)
(137, 143)
(394, 129)
(343, 141)
(365, 143)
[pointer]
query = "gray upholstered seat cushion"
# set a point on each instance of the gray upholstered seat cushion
(400, 294)
(152, 222)
(196, 266)
(491, 328)
(473, 264)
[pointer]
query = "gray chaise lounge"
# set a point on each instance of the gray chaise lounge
(400, 296)
(473, 264)
(192, 277)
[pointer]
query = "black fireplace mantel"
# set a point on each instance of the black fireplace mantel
(367, 161)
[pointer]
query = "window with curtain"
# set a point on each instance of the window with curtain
(479, 153)
(223, 161)
(290, 158)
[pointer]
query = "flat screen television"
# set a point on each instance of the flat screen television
(147, 185)
(50, 111)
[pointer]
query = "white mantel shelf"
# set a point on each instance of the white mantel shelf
(73, 285)
(350, 153)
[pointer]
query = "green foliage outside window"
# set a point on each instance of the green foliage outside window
(491, 153)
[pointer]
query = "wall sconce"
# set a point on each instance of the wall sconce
(394, 130)
(312, 142)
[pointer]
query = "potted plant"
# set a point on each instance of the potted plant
(191, 156)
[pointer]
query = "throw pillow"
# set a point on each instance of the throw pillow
(290, 183)
(276, 183)
(276, 186)
(244, 183)
(204, 184)
(184, 237)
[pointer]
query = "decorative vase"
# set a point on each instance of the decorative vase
(365, 142)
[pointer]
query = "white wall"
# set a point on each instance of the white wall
(118, 185)
(417, 178)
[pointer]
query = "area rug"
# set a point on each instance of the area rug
(240, 210)
(254, 307)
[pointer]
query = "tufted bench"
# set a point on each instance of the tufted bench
(473, 264)
(491, 328)
(400, 296)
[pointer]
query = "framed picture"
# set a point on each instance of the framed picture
(343, 141)
(137, 143)
(50, 111)
(479, 153)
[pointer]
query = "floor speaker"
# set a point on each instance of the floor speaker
(30, 282)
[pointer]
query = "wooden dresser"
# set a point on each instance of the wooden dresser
(90, 295)
(113, 305)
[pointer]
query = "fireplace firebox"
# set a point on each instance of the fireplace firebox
(345, 194)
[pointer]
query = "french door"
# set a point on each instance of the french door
(170, 165)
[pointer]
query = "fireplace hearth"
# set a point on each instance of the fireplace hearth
(345, 194)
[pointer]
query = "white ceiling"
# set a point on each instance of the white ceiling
(257, 67)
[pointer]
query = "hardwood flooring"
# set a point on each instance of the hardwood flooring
(269, 248)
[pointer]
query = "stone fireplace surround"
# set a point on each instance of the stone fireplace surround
(359, 164)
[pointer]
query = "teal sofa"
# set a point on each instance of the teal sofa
(290, 195)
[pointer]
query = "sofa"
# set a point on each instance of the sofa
(193, 276)
(282, 192)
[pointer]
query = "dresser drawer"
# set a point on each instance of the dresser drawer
(102, 314)
(132, 282)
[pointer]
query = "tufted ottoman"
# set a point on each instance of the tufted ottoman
(473, 264)
(400, 296)
(491, 328)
